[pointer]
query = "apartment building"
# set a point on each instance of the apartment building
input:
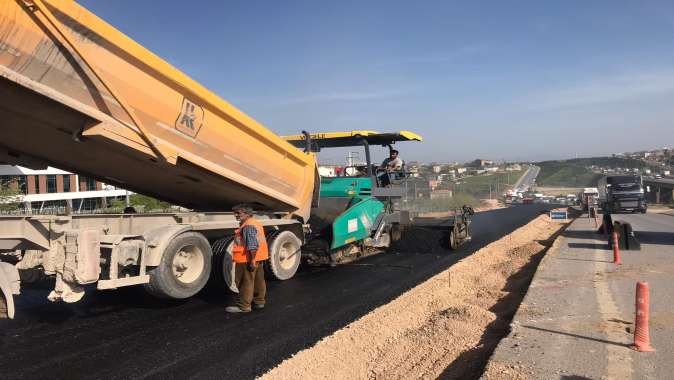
(53, 189)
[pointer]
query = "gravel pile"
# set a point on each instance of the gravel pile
(446, 327)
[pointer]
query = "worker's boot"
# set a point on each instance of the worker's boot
(235, 309)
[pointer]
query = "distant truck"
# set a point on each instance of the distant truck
(589, 197)
(572, 199)
(622, 193)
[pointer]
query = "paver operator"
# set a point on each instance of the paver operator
(391, 164)
(249, 253)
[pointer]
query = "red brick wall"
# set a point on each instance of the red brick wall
(30, 184)
(42, 181)
(73, 182)
(59, 183)
(83, 184)
(99, 185)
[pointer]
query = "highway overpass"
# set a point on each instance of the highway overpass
(659, 190)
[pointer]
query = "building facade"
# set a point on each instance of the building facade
(51, 188)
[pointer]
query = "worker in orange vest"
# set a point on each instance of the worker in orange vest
(249, 253)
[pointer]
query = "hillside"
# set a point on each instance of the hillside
(480, 185)
(575, 172)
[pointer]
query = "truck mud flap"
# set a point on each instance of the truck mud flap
(9, 285)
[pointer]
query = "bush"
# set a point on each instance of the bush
(9, 198)
(142, 203)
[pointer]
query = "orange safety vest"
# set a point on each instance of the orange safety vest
(239, 250)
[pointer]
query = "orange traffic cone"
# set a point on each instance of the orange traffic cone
(616, 250)
(642, 339)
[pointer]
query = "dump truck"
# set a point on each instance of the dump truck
(80, 95)
(622, 193)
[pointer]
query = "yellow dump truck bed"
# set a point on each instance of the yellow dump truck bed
(78, 94)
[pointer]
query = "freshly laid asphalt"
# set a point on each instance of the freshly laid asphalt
(126, 334)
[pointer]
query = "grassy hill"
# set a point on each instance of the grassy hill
(562, 175)
(480, 185)
(575, 172)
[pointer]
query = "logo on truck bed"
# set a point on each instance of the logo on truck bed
(190, 119)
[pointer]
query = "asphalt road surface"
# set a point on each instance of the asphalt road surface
(527, 180)
(126, 334)
(578, 319)
(655, 264)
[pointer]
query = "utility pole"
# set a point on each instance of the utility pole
(350, 158)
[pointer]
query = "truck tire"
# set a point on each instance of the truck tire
(184, 267)
(453, 242)
(9, 285)
(4, 309)
(396, 232)
(222, 272)
(284, 255)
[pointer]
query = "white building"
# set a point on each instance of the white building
(51, 188)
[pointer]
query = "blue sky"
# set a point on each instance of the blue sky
(514, 80)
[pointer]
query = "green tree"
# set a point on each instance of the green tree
(9, 197)
(142, 203)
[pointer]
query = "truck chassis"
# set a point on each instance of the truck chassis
(172, 254)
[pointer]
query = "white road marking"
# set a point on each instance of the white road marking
(619, 364)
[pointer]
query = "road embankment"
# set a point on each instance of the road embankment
(447, 326)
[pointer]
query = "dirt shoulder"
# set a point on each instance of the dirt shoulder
(445, 327)
(485, 205)
(558, 190)
(489, 204)
(657, 209)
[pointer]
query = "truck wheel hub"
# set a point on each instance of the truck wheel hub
(285, 255)
(188, 264)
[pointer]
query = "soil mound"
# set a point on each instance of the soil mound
(445, 327)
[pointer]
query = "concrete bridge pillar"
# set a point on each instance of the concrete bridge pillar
(657, 195)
